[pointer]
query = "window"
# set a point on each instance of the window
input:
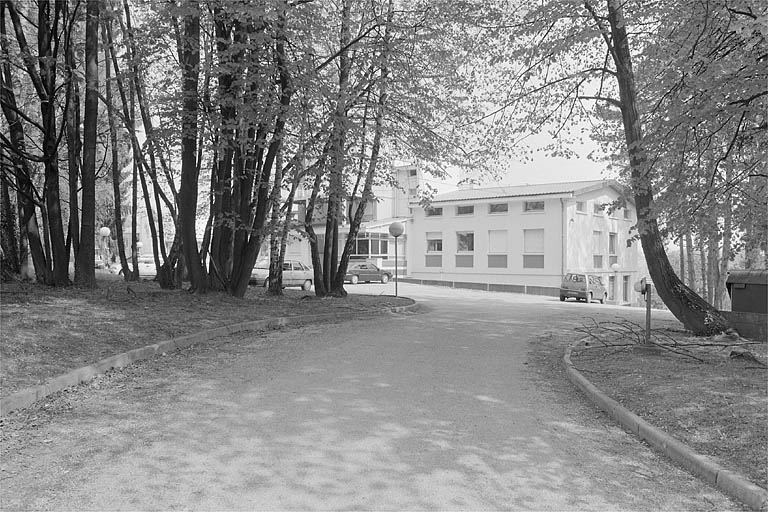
(412, 192)
(465, 241)
(465, 210)
(611, 287)
(497, 248)
(613, 258)
(597, 208)
(412, 172)
(433, 212)
(533, 248)
(625, 288)
(581, 207)
(597, 249)
(498, 208)
(369, 245)
(533, 206)
(627, 214)
(435, 241)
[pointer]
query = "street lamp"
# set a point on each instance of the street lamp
(396, 229)
(614, 288)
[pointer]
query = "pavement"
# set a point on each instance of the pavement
(730, 483)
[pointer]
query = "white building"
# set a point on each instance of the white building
(525, 238)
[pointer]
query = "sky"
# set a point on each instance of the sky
(540, 169)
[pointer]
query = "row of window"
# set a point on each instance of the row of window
(528, 207)
(533, 248)
(493, 208)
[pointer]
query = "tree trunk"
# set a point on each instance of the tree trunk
(29, 232)
(128, 275)
(367, 195)
(47, 51)
(8, 236)
(72, 120)
(704, 271)
(317, 264)
(85, 274)
(337, 160)
(689, 256)
(681, 242)
(190, 51)
(695, 313)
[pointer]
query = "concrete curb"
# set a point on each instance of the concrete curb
(729, 482)
(27, 397)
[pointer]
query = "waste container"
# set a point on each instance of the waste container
(748, 290)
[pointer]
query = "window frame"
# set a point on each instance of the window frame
(458, 245)
(469, 207)
(583, 209)
(437, 236)
(433, 211)
(529, 252)
(526, 208)
(504, 212)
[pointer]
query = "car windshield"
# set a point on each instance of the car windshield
(576, 278)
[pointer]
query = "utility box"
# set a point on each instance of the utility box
(748, 290)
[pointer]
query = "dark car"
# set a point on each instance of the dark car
(583, 287)
(366, 272)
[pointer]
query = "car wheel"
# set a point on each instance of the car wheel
(589, 299)
(354, 279)
(307, 285)
(384, 278)
(562, 299)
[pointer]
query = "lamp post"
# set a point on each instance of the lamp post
(614, 288)
(396, 229)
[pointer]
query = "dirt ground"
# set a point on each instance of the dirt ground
(710, 393)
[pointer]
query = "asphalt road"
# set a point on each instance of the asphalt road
(439, 410)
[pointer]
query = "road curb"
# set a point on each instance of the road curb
(727, 481)
(28, 396)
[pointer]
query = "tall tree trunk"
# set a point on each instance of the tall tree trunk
(695, 313)
(72, 120)
(689, 256)
(337, 160)
(29, 232)
(275, 277)
(190, 51)
(47, 32)
(8, 235)
(317, 264)
(85, 274)
(721, 294)
(128, 274)
(704, 269)
(367, 195)
(681, 242)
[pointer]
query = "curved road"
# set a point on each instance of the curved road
(439, 410)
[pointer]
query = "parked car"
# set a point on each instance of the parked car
(295, 273)
(366, 272)
(583, 287)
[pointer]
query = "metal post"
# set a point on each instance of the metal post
(648, 314)
(395, 266)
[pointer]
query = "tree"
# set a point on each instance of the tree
(85, 273)
(571, 55)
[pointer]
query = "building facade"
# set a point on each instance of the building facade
(525, 238)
